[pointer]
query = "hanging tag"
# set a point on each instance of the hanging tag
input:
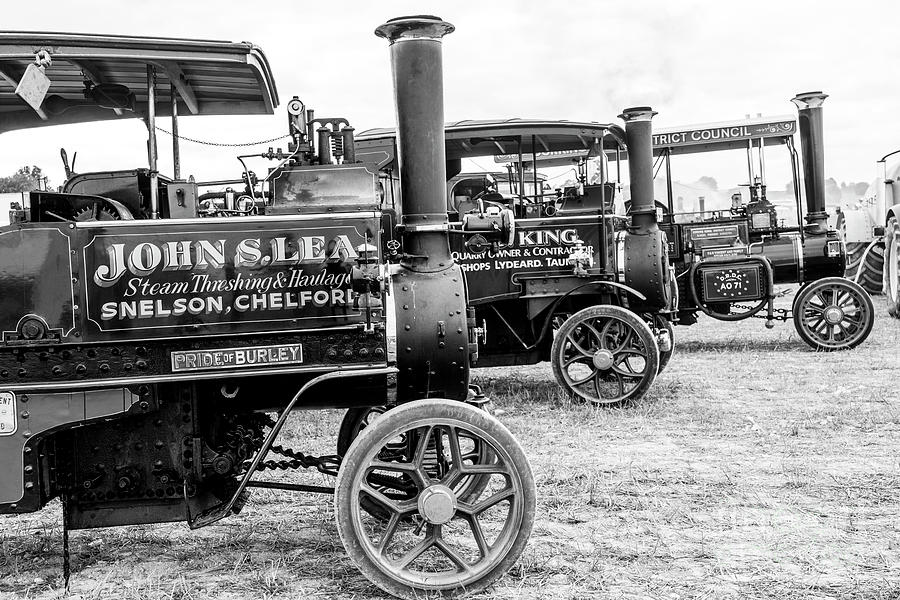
(33, 87)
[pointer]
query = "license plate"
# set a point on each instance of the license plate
(728, 284)
(236, 358)
(730, 251)
(8, 419)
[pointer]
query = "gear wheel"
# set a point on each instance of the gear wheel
(95, 212)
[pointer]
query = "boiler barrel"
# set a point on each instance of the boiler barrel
(793, 261)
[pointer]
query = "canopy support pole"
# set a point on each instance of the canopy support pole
(151, 142)
(176, 149)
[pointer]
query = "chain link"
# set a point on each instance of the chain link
(297, 460)
(223, 144)
(324, 464)
(778, 314)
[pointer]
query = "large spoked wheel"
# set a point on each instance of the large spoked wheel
(605, 355)
(434, 540)
(892, 266)
(833, 314)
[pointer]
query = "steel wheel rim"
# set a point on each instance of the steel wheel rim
(595, 335)
(818, 321)
(405, 512)
(894, 267)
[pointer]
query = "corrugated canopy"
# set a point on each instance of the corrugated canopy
(471, 139)
(211, 77)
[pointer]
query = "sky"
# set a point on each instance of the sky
(694, 61)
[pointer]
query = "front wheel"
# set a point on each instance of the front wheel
(433, 539)
(892, 266)
(833, 314)
(605, 355)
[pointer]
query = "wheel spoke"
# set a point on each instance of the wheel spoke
(621, 381)
(578, 359)
(416, 473)
(487, 503)
(422, 448)
(453, 555)
(455, 452)
(381, 499)
(601, 335)
(577, 382)
(386, 483)
(489, 469)
(629, 373)
(578, 347)
(418, 550)
(388, 534)
(478, 534)
(624, 343)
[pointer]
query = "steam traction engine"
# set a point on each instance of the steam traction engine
(729, 259)
(148, 325)
(578, 285)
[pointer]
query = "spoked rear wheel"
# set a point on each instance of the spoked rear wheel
(892, 266)
(434, 540)
(833, 314)
(605, 355)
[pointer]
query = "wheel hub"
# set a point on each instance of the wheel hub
(603, 359)
(834, 315)
(437, 504)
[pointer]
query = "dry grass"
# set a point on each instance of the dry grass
(754, 469)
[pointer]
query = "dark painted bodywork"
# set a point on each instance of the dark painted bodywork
(516, 291)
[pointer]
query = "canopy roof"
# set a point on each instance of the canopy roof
(211, 77)
(471, 139)
(724, 135)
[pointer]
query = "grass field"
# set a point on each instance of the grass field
(754, 469)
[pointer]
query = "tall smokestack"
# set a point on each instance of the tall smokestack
(809, 105)
(639, 138)
(416, 64)
(433, 344)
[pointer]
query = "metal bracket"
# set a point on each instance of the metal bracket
(216, 513)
